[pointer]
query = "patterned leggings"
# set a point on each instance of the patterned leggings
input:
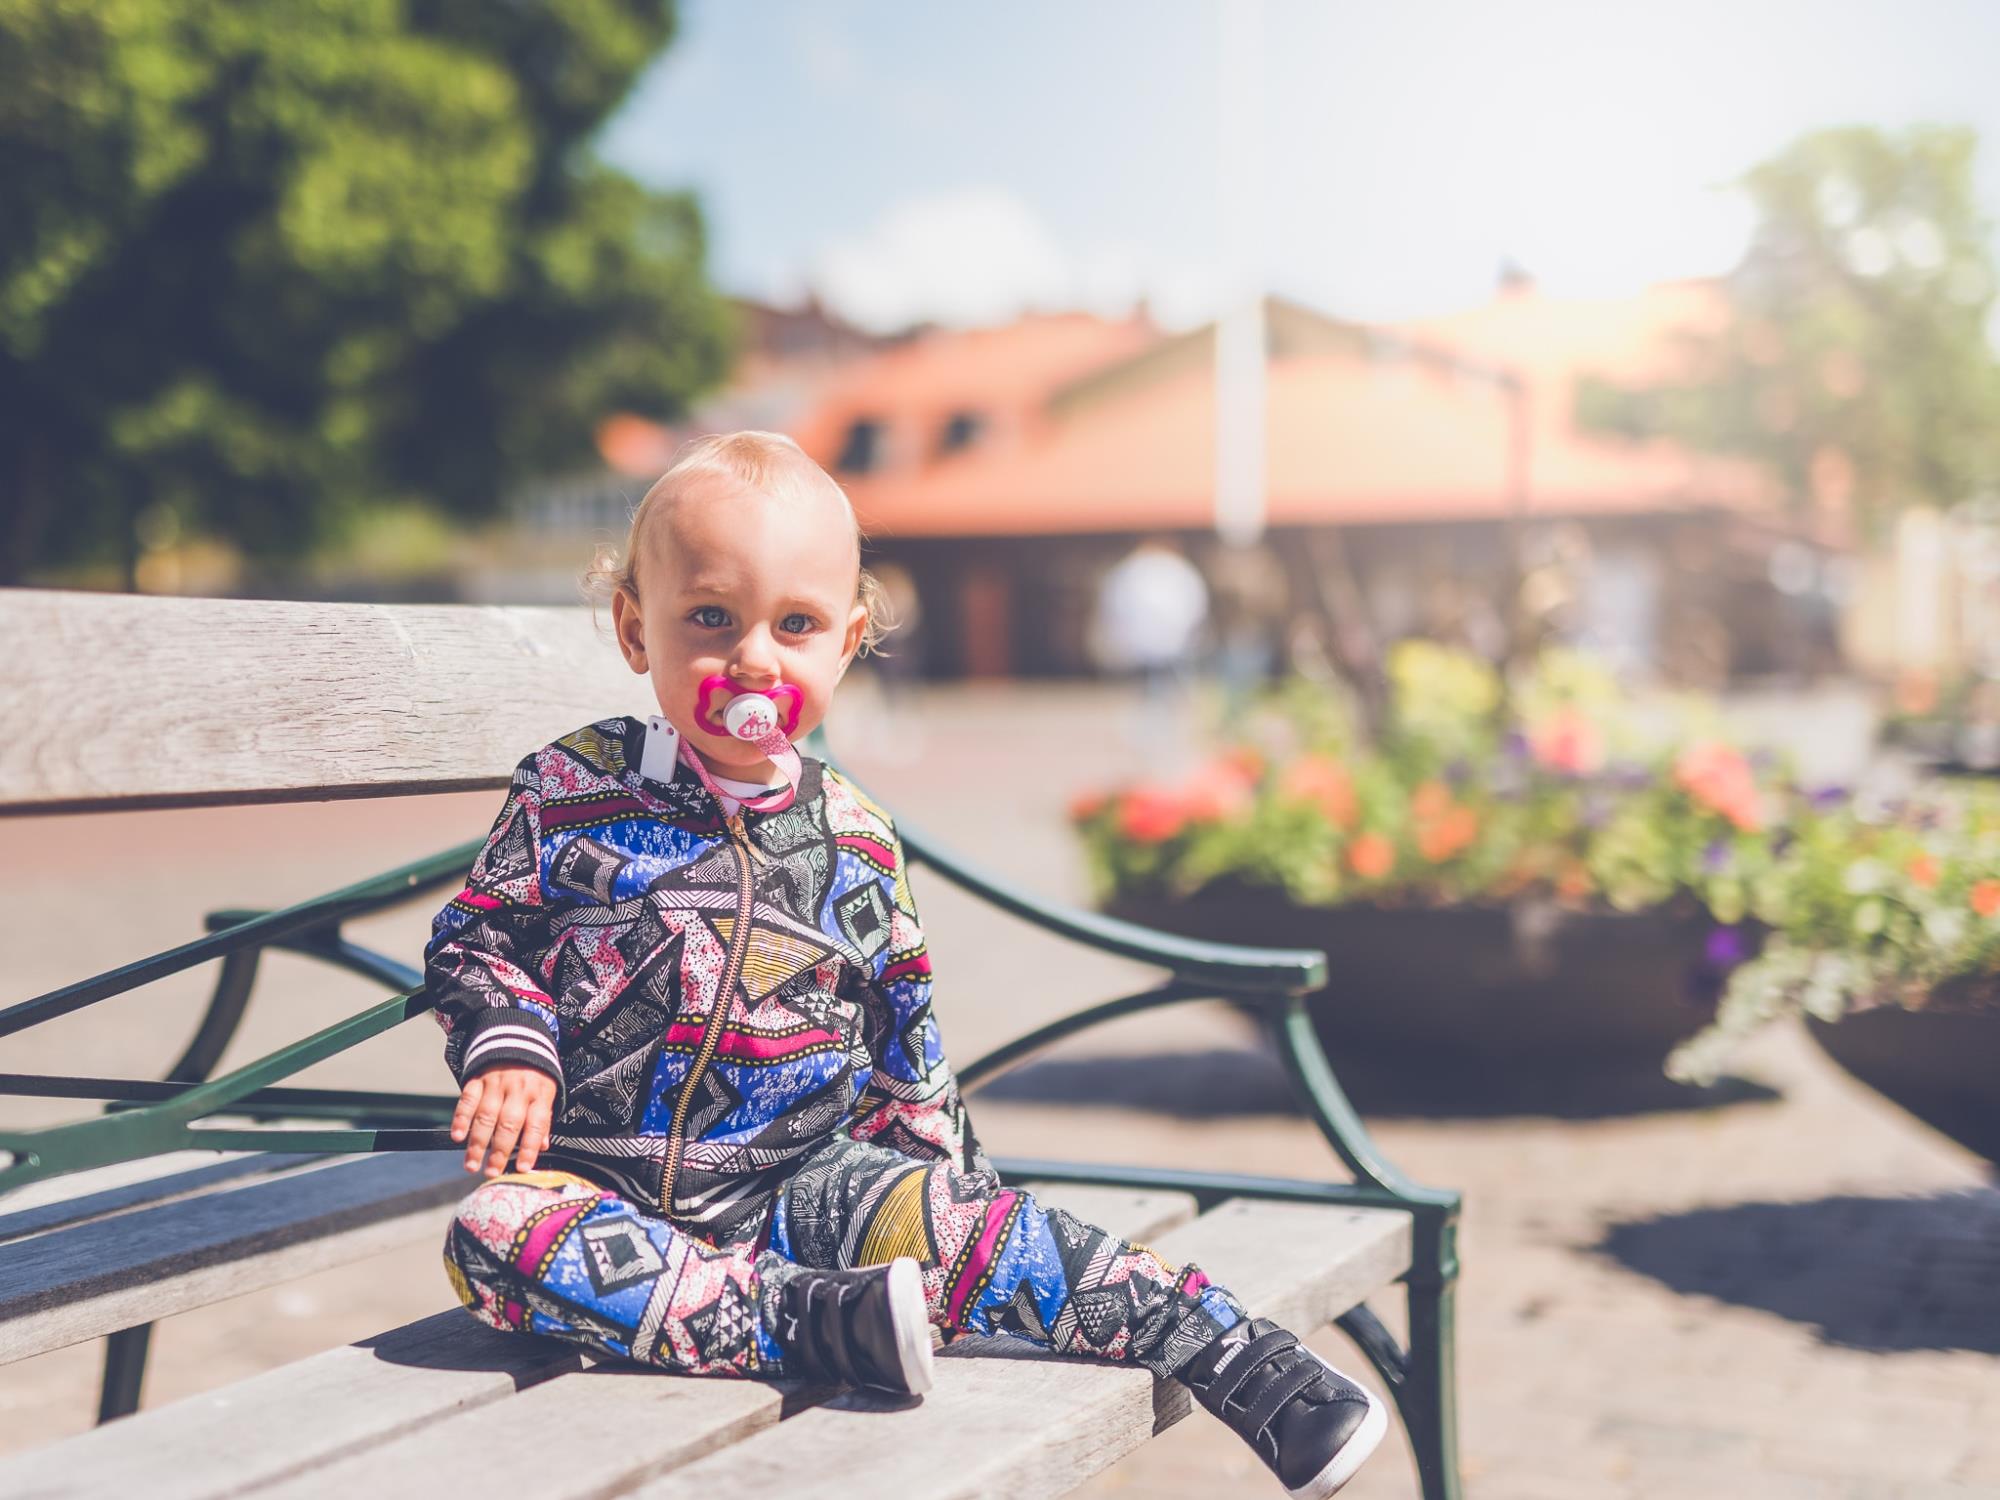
(548, 1252)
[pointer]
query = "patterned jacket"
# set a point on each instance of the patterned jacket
(713, 997)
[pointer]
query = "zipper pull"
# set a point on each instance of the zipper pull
(742, 836)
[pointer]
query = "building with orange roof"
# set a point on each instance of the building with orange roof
(1415, 470)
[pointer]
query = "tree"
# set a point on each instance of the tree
(1856, 363)
(260, 262)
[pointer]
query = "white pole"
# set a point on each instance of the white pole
(1240, 477)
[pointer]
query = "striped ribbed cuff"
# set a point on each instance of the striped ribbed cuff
(505, 1036)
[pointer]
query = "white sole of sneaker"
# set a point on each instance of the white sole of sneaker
(911, 1315)
(1353, 1453)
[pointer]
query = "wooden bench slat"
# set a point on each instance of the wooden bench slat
(621, 1425)
(297, 1415)
(92, 1279)
(99, 1191)
(380, 1410)
(180, 705)
(1014, 1426)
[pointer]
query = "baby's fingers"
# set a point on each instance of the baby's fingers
(468, 1101)
(534, 1135)
(513, 1115)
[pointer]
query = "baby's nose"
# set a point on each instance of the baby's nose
(754, 665)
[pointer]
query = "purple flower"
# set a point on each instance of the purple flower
(1630, 775)
(1725, 948)
(1715, 858)
(1515, 744)
(1828, 797)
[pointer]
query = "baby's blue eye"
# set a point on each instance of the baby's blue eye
(711, 615)
(796, 624)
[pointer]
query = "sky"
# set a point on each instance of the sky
(960, 163)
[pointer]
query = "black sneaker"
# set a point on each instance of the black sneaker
(1312, 1426)
(865, 1327)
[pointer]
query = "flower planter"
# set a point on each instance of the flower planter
(1939, 1065)
(1515, 987)
(1531, 986)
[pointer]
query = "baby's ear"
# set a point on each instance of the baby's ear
(630, 628)
(857, 627)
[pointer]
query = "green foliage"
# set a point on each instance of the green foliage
(262, 263)
(1856, 361)
(1564, 799)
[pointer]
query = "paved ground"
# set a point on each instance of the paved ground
(1793, 1296)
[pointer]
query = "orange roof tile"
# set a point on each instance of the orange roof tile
(1004, 373)
(1351, 440)
(1348, 443)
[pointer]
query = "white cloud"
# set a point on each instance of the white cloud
(982, 256)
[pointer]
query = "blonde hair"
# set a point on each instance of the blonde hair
(766, 461)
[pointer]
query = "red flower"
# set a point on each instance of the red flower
(1986, 898)
(1923, 871)
(1150, 815)
(1217, 792)
(1087, 805)
(1567, 741)
(1718, 777)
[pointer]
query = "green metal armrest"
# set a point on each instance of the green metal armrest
(1234, 968)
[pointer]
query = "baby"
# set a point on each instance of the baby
(685, 990)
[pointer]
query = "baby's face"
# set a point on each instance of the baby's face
(737, 584)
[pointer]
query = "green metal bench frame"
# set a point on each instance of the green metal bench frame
(147, 1117)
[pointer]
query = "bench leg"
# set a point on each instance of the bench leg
(219, 1022)
(125, 1351)
(124, 1372)
(1425, 1380)
(1430, 1393)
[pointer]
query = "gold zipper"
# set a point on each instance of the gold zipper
(718, 1013)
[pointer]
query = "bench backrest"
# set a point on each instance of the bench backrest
(122, 701)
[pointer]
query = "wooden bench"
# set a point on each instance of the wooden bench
(191, 1189)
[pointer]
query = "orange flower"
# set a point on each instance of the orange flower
(1371, 856)
(1087, 805)
(1246, 760)
(1464, 825)
(1923, 871)
(1567, 741)
(1430, 799)
(1217, 792)
(1324, 782)
(1574, 883)
(1150, 815)
(1986, 898)
(1717, 776)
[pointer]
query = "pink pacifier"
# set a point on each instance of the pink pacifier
(763, 719)
(745, 713)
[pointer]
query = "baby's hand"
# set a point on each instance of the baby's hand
(500, 1106)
